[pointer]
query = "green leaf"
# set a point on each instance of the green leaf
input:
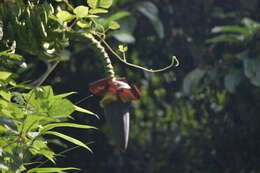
(105, 3)
(40, 147)
(192, 80)
(231, 81)
(227, 38)
(5, 94)
(149, 10)
(81, 11)
(122, 48)
(252, 70)
(83, 24)
(4, 75)
(113, 25)
(3, 129)
(12, 56)
(118, 15)
(70, 139)
(249, 23)
(92, 3)
(65, 16)
(79, 109)
(31, 122)
(50, 170)
(65, 94)
(97, 11)
(128, 24)
(61, 108)
(1, 30)
(124, 37)
(51, 126)
(230, 29)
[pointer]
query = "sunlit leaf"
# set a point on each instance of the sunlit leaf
(4, 75)
(226, 38)
(65, 94)
(122, 48)
(5, 94)
(97, 11)
(70, 139)
(113, 25)
(83, 24)
(79, 109)
(61, 108)
(65, 16)
(40, 147)
(50, 170)
(105, 3)
(81, 11)
(229, 28)
(12, 56)
(92, 3)
(53, 125)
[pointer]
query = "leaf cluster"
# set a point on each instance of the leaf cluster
(26, 117)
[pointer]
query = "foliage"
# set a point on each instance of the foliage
(205, 121)
(203, 116)
(29, 113)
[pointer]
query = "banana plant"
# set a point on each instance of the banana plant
(116, 94)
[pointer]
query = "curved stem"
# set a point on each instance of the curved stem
(50, 68)
(108, 64)
(174, 59)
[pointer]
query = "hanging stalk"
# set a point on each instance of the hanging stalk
(109, 69)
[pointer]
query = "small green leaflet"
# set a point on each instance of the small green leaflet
(51, 126)
(81, 11)
(113, 25)
(97, 10)
(100, 3)
(50, 170)
(79, 109)
(70, 139)
(65, 16)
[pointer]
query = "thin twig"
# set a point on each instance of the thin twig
(47, 73)
(174, 59)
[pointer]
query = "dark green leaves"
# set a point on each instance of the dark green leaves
(252, 70)
(232, 80)
(235, 33)
(192, 80)
(149, 10)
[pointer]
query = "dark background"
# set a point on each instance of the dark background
(200, 117)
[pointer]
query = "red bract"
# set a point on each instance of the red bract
(115, 93)
(118, 87)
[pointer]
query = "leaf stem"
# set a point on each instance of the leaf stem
(174, 59)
